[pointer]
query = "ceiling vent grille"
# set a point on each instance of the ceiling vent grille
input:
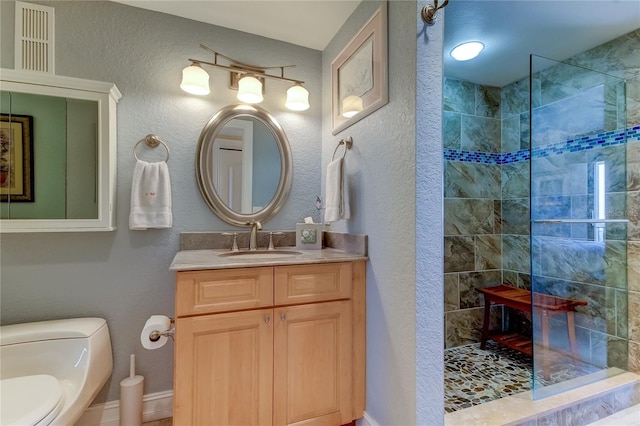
(34, 37)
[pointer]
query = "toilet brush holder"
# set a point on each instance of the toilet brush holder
(131, 392)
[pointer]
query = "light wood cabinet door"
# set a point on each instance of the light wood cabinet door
(312, 364)
(224, 369)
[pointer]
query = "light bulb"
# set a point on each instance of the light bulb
(195, 80)
(297, 98)
(351, 105)
(250, 90)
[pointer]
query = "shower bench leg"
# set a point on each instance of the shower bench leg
(543, 304)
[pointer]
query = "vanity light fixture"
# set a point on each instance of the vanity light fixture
(195, 80)
(247, 79)
(297, 98)
(466, 51)
(250, 90)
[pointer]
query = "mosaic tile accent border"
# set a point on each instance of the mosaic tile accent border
(486, 157)
(600, 140)
(616, 137)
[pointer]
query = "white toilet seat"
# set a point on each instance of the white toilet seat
(30, 400)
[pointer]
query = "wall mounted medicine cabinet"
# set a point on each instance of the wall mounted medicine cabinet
(57, 153)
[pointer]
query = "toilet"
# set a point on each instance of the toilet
(50, 371)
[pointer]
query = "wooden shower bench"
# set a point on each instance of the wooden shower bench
(544, 305)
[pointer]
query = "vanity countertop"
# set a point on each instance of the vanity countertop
(192, 260)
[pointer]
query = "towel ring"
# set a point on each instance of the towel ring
(152, 141)
(348, 143)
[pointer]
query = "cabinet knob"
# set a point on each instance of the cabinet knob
(267, 319)
(283, 317)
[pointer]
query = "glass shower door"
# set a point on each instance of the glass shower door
(578, 226)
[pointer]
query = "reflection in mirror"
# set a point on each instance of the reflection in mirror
(48, 162)
(244, 165)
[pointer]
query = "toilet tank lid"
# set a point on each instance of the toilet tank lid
(50, 330)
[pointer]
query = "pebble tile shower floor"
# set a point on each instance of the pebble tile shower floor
(473, 376)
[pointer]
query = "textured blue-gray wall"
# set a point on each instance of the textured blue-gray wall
(123, 276)
(381, 168)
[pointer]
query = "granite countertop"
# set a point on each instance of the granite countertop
(210, 250)
(192, 260)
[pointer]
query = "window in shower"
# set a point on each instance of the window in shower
(599, 200)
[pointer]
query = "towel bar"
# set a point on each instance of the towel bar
(151, 141)
(348, 143)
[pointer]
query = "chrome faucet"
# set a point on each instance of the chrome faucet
(253, 236)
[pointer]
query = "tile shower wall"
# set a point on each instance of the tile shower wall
(516, 263)
(486, 158)
(473, 244)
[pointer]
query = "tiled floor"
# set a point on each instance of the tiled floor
(474, 376)
(628, 417)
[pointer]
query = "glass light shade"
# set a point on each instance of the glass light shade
(351, 105)
(466, 51)
(297, 98)
(250, 90)
(195, 80)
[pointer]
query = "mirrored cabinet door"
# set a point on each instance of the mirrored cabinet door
(57, 153)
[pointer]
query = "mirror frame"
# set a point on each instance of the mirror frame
(106, 95)
(203, 152)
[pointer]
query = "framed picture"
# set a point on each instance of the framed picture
(359, 80)
(16, 158)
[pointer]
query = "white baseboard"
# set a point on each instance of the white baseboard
(155, 406)
(366, 420)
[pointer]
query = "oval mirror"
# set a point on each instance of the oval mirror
(243, 165)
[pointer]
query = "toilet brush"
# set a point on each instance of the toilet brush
(131, 391)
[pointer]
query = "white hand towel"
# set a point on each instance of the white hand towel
(150, 196)
(337, 192)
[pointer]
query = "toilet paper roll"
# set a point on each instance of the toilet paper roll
(158, 323)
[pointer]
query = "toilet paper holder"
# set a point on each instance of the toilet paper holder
(155, 335)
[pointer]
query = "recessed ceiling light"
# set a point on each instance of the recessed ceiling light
(466, 51)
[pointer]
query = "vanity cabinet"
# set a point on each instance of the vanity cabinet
(281, 345)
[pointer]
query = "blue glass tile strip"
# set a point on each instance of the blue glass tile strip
(600, 140)
(471, 156)
(516, 157)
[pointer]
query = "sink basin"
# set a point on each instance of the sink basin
(261, 254)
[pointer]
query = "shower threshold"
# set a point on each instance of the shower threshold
(617, 391)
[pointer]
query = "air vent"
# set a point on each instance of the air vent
(34, 37)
